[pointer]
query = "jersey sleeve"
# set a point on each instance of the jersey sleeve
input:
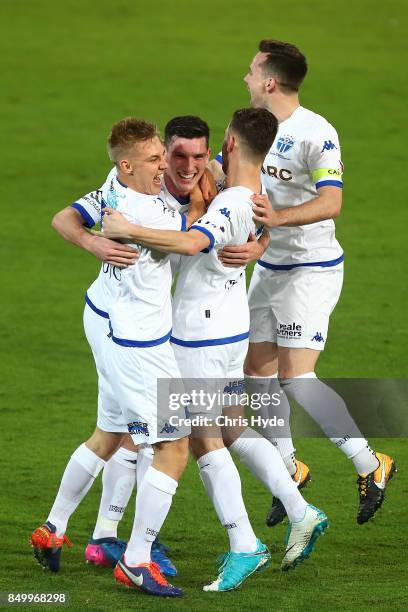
(218, 225)
(90, 207)
(157, 215)
(324, 158)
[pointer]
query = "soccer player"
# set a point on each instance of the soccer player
(187, 148)
(134, 357)
(210, 338)
(297, 283)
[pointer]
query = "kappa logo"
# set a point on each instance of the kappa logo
(168, 429)
(138, 427)
(285, 143)
(328, 146)
(318, 337)
(224, 211)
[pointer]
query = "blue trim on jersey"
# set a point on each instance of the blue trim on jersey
(91, 305)
(139, 343)
(329, 182)
(218, 158)
(84, 214)
(214, 342)
(209, 235)
(183, 222)
(319, 264)
(120, 183)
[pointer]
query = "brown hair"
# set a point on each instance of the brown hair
(286, 62)
(256, 129)
(126, 133)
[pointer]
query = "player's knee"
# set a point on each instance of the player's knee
(288, 373)
(104, 443)
(261, 359)
(173, 453)
(230, 434)
(202, 446)
(127, 443)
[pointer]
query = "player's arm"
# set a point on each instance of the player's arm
(169, 241)
(327, 205)
(243, 254)
(70, 224)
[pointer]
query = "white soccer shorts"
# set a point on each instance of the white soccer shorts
(110, 416)
(135, 374)
(202, 367)
(292, 308)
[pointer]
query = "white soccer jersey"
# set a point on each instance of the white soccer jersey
(304, 156)
(137, 299)
(210, 303)
(90, 206)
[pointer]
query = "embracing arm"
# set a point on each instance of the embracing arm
(327, 205)
(68, 222)
(243, 254)
(169, 241)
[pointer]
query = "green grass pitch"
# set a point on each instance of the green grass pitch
(70, 70)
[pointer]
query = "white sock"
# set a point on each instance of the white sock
(223, 485)
(153, 502)
(280, 408)
(329, 410)
(118, 480)
(144, 460)
(365, 461)
(264, 461)
(289, 460)
(79, 476)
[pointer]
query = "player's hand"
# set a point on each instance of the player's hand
(197, 205)
(114, 225)
(241, 255)
(109, 251)
(264, 212)
(208, 186)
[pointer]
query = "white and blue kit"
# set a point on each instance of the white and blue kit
(297, 283)
(210, 306)
(136, 305)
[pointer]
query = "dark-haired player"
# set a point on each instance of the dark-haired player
(297, 282)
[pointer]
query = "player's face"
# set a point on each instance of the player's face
(256, 80)
(148, 162)
(186, 160)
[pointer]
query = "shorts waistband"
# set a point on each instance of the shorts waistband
(316, 264)
(98, 311)
(139, 343)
